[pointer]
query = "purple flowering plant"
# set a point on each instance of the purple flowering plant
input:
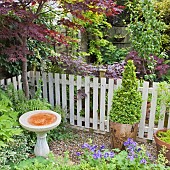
(137, 154)
(94, 154)
(133, 157)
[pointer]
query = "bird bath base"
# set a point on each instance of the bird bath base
(40, 122)
(41, 148)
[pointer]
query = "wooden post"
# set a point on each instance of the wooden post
(102, 72)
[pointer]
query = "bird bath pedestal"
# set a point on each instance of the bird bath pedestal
(40, 122)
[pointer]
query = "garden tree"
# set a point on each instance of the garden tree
(145, 32)
(162, 7)
(19, 23)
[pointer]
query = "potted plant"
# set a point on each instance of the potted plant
(125, 112)
(162, 138)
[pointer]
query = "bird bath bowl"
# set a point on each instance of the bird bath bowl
(40, 122)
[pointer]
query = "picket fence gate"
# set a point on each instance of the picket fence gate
(87, 100)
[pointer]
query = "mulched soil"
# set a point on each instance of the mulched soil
(79, 137)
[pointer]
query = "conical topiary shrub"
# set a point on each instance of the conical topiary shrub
(126, 107)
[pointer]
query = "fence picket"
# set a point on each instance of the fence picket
(168, 126)
(14, 81)
(87, 102)
(44, 79)
(95, 102)
(37, 78)
(152, 111)
(79, 101)
(2, 82)
(71, 98)
(110, 96)
(8, 81)
(64, 92)
(119, 82)
(32, 82)
(19, 83)
(51, 88)
(57, 89)
(37, 81)
(162, 116)
(143, 109)
(102, 103)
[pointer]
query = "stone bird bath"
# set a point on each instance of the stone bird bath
(40, 122)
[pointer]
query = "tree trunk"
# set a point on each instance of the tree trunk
(24, 78)
(24, 71)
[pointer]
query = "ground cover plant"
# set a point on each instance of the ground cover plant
(95, 157)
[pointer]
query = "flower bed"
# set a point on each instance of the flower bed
(95, 157)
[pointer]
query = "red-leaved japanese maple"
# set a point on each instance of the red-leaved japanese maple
(18, 24)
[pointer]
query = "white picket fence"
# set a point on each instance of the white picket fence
(92, 111)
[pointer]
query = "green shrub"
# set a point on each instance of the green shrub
(164, 136)
(8, 120)
(33, 104)
(162, 7)
(126, 103)
(15, 152)
(21, 104)
(40, 163)
(145, 30)
(112, 54)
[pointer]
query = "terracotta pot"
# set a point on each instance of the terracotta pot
(119, 133)
(160, 144)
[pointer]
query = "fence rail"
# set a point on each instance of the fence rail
(87, 100)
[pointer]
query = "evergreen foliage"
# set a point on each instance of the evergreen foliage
(126, 104)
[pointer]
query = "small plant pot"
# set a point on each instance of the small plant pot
(160, 144)
(119, 133)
